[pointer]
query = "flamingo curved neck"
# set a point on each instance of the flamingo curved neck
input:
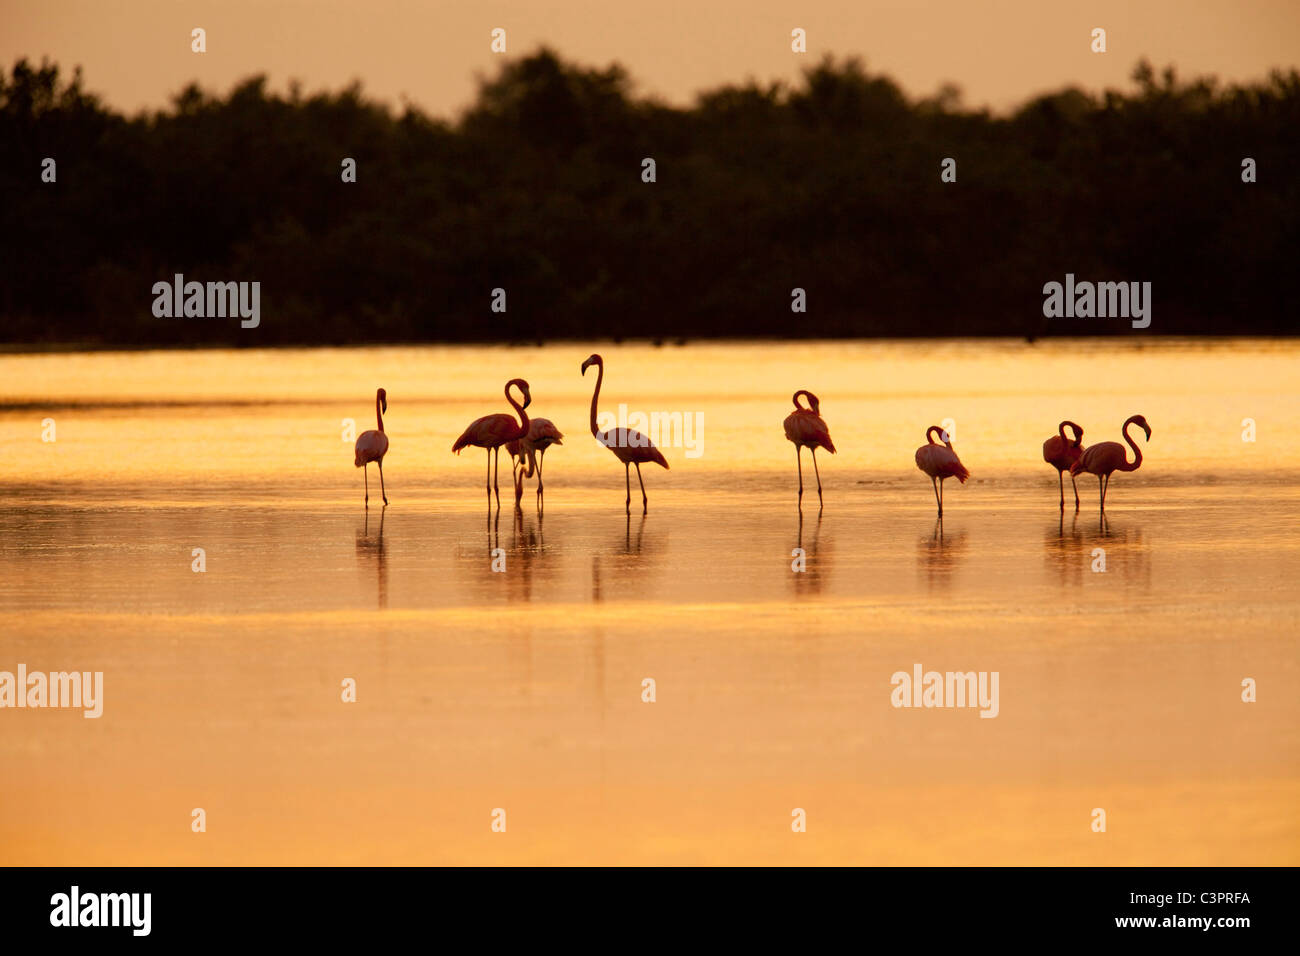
(379, 415)
(595, 397)
(1137, 452)
(806, 394)
(523, 415)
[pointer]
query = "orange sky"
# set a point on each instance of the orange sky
(136, 52)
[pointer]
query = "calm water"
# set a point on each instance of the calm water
(522, 690)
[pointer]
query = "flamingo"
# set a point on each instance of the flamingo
(542, 434)
(1061, 453)
(628, 445)
(1109, 456)
(493, 431)
(372, 445)
(940, 462)
(804, 427)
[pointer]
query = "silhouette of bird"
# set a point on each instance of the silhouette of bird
(940, 462)
(804, 427)
(493, 431)
(1106, 457)
(628, 445)
(372, 445)
(542, 434)
(1061, 453)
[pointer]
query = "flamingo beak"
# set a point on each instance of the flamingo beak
(383, 403)
(1147, 428)
(585, 366)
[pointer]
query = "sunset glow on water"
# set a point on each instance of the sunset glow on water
(523, 689)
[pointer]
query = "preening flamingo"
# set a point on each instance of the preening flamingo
(1109, 456)
(542, 434)
(628, 445)
(1061, 453)
(493, 431)
(372, 445)
(804, 427)
(940, 462)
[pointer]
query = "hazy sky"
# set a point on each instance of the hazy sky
(137, 52)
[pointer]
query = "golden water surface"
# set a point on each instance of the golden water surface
(522, 689)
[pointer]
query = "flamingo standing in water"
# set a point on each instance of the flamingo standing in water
(372, 445)
(1106, 457)
(1061, 453)
(940, 462)
(804, 427)
(493, 431)
(542, 434)
(628, 445)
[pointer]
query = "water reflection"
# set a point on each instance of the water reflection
(372, 550)
(939, 553)
(809, 578)
(1063, 547)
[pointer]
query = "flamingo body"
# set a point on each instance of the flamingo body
(492, 431)
(940, 462)
(372, 445)
(1105, 458)
(628, 445)
(631, 447)
(806, 429)
(1061, 453)
(542, 434)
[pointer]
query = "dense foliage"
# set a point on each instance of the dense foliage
(833, 186)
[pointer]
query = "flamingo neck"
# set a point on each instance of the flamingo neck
(1137, 452)
(928, 431)
(798, 407)
(595, 397)
(379, 415)
(523, 415)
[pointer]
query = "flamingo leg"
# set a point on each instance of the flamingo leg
(496, 476)
(540, 462)
(365, 470)
(1076, 493)
(798, 457)
(627, 475)
(935, 485)
(1105, 491)
(645, 502)
(818, 474)
(489, 477)
(381, 482)
(1101, 490)
(1060, 478)
(517, 477)
(940, 497)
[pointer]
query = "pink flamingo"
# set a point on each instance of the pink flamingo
(372, 445)
(1061, 453)
(940, 462)
(493, 431)
(542, 434)
(804, 427)
(629, 446)
(1106, 457)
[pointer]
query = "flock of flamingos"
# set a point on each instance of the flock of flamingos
(526, 442)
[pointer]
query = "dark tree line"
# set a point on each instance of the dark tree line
(832, 186)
